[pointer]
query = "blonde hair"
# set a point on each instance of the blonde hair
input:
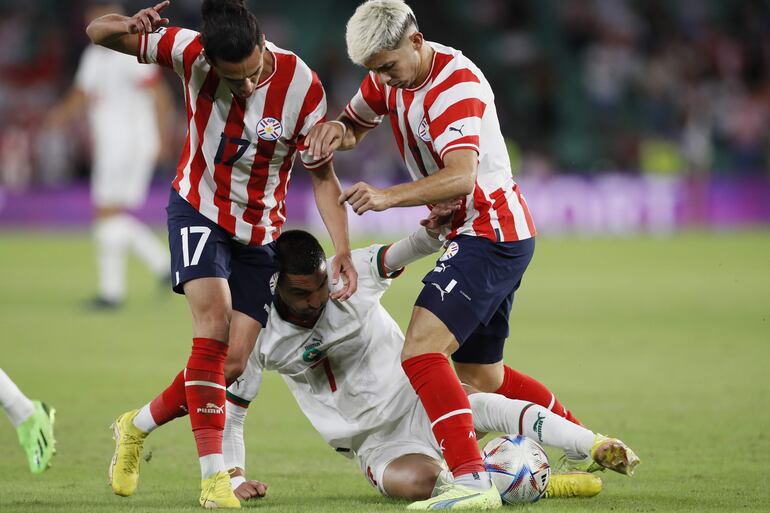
(375, 26)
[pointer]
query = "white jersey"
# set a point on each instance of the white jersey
(345, 372)
(121, 105)
(453, 109)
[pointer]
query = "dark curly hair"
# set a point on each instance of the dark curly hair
(230, 31)
(299, 253)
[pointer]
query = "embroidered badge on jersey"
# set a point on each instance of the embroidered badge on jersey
(423, 131)
(269, 129)
(451, 251)
(311, 352)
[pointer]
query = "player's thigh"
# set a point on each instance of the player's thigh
(427, 333)
(199, 247)
(479, 362)
(209, 301)
(252, 284)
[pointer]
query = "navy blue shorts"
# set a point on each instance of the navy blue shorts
(471, 290)
(200, 248)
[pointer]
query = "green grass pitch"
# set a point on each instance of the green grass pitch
(664, 342)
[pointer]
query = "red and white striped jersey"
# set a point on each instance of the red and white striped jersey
(453, 109)
(238, 153)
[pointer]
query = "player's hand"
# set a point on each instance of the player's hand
(250, 490)
(148, 20)
(363, 197)
(441, 215)
(323, 139)
(342, 265)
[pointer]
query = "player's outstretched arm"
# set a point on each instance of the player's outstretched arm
(341, 134)
(121, 33)
(326, 189)
(456, 179)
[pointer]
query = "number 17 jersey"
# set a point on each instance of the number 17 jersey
(238, 153)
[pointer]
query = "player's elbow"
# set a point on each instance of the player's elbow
(92, 30)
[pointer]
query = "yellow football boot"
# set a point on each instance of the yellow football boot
(455, 496)
(573, 484)
(124, 468)
(613, 454)
(216, 492)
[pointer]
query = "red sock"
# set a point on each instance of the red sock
(448, 409)
(520, 386)
(205, 392)
(171, 403)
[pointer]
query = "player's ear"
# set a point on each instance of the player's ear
(417, 40)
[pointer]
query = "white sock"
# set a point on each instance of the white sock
(477, 480)
(112, 238)
(144, 421)
(211, 464)
(233, 446)
(147, 247)
(497, 413)
(16, 405)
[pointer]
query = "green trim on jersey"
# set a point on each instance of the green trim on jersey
(381, 264)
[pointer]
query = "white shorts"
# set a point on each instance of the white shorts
(120, 177)
(410, 435)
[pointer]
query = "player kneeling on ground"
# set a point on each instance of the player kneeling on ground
(341, 361)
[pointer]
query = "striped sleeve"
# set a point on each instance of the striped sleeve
(170, 47)
(455, 107)
(313, 111)
(368, 106)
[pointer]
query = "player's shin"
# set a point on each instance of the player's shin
(517, 385)
(205, 391)
(495, 413)
(448, 409)
(169, 405)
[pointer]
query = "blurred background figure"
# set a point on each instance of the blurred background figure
(128, 111)
(33, 421)
(620, 116)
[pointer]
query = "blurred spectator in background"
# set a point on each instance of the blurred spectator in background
(583, 86)
(127, 107)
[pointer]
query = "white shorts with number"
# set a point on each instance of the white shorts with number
(410, 435)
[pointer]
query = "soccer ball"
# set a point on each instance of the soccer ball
(519, 468)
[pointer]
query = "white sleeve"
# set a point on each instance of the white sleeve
(314, 110)
(239, 395)
(369, 106)
(410, 249)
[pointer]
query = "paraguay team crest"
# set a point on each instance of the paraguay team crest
(451, 251)
(269, 129)
(423, 131)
